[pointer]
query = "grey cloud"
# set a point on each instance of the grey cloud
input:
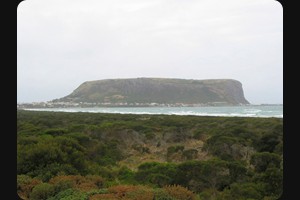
(62, 43)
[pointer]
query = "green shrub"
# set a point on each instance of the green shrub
(264, 160)
(243, 191)
(25, 184)
(42, 191)
(70, 194)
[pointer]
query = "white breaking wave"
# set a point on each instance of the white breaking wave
(230, 111)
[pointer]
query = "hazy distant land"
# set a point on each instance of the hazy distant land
(144, 92)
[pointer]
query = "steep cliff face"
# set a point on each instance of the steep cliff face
(159, 90)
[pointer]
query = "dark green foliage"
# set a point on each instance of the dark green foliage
(159, 179)
(126, 175)
(48, 157)
(210, 194)
(78, 127)
(42, 191)
(225, 147)
(148, 165)
(69, 194)
(174, 149)
(262, 161)
(199, 134)
(199, 175)
(105, 153)
(242, 156)
(242, 191)
(212, 174)
(159, 174)
(268, 142)
(272, 181)
(238, 171)
(55, 131)
(273, 178)
(83, 139)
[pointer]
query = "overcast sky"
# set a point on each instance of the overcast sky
(62, 43)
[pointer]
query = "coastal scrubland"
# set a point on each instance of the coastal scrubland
(161, 157)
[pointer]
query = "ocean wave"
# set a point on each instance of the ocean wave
(197, 111)
(252, 110)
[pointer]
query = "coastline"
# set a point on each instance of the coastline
(230, 111)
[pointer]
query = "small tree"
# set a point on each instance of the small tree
(42, 191)
(264, 160)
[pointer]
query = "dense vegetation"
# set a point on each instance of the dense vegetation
(161, 157)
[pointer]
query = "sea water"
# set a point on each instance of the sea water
(232, 111)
